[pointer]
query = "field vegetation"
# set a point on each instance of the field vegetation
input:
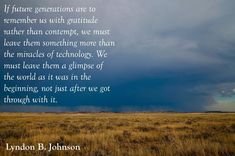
(121, 134)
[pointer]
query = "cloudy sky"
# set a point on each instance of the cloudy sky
(169, 56)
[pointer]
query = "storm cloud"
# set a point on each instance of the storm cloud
(170, 55)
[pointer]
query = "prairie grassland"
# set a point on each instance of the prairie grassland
(114, 134)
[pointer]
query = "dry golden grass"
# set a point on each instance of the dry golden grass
(129, 134)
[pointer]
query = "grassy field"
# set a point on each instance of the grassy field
(128, 134)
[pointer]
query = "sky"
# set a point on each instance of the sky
(169, 56)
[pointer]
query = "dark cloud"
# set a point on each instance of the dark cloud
(170, 55)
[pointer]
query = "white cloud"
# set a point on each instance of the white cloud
(226, 105)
